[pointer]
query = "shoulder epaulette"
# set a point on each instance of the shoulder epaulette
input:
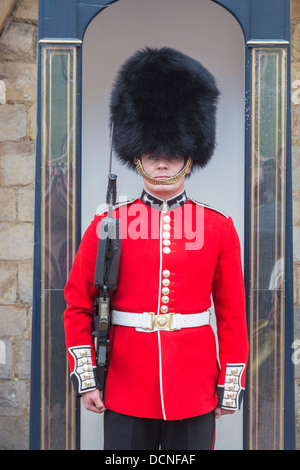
(208, 207)
(104, 207)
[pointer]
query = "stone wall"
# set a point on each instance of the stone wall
(18, 45)
(295, 78)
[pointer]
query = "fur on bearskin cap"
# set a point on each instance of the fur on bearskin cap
(163, 102)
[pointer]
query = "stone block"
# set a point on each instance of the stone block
(295, 42)
(27, 10)
(295, 11)
(12, 402)
(296, 168)
(26, 204)
(296, 343)
(20, 81)
(296, 207)
(18, 42)
(13, 120)
(6, 362)
(8, 283)
(295, 71)
(14, 433)
(32, 122)
(6, 9)
(17, 163)
(7, 204)
(297, 284)
(296, 244)
(23, 364)
(2, 352)
(25, 270)
(296, 125)
(2, 92)
(13, 320)
(16, 241)
(295, 92)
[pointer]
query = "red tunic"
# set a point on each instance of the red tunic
(164, 374)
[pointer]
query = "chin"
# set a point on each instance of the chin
(164, 191)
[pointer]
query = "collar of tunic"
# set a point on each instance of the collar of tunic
(164, 204)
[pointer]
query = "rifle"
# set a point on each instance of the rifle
(106, 277)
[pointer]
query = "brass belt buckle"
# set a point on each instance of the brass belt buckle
(163, 321)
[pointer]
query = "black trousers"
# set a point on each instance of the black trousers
(122, 432)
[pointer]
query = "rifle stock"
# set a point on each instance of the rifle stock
(100, 333)
(106, 277)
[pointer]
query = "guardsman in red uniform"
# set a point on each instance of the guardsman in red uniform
(166, 382)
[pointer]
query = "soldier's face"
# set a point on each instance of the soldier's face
(161, 166)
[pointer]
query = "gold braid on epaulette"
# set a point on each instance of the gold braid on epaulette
(171, 180)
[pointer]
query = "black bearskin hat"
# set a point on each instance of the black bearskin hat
(163, 102)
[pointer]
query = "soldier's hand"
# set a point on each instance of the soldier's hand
(221, 411)
(91, 401)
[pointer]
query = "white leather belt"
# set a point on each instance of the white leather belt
(148, 321)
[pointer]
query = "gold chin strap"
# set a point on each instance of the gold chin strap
(171, 180)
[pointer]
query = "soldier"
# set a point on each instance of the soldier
(165, 384)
